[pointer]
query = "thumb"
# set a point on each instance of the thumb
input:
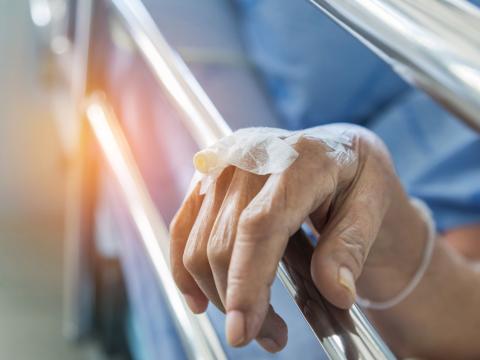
(344, 245)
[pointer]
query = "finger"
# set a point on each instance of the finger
(180, 228)
(195, 257)
(347, 238)
(273, 335)
(263, 231)
(243, 188)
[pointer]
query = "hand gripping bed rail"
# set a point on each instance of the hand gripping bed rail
(342, 334)
(433, 44)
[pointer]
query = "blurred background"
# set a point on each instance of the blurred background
(32, 183)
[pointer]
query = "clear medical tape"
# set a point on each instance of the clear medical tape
(264, 151)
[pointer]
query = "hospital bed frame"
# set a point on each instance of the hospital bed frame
(433, 44)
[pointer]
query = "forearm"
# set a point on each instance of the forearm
(440, 318)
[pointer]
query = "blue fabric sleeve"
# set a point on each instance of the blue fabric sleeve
(437, 157)
(313, 70)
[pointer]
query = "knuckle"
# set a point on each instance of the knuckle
(196, 263)
(241, 293)
(254, 221)
(303, 143)
(312, 145)
(218, 255)
(310, 142)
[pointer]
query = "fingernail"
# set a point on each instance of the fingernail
(269, 345)
(346, 279)
(193, 304)
(235, 327)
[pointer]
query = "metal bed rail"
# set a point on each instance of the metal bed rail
(433, 44)
(77, 290)
(196, 332)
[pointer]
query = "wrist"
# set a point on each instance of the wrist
(397, 253)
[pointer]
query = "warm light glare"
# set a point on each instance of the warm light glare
(149, 227)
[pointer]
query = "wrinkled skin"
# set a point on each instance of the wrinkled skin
(227, 243)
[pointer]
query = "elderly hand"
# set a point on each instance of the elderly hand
(227, 243)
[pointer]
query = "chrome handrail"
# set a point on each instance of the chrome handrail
(433, 44)
(342, 334)
(76, 298)
(204, 122)
(196, 332)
